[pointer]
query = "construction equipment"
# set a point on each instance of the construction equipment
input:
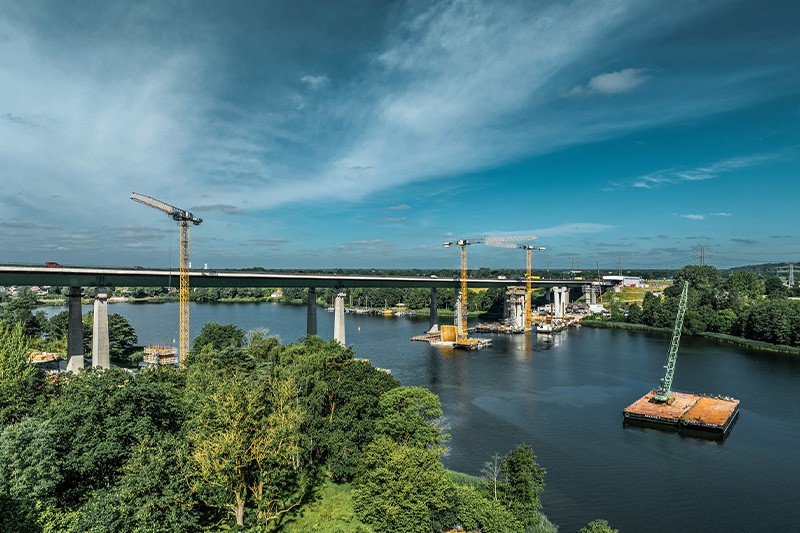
(664, 393)
(528, 288)
(184, 218)
(463, 243)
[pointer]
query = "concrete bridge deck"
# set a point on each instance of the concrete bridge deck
(80, 276)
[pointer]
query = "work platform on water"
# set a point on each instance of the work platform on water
(698, 415)
(711, 415)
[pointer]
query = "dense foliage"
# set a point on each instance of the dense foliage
(744, 305)
(247, 435)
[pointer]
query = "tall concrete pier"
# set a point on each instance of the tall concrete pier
(434, 315)
(74, 330)
(311, 315)
(100, 354)
(338, 318)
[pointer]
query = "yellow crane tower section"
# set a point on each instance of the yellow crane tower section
(463, 243)
(184, 218)
(528, 286)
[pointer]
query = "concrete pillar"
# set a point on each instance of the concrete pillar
(458, 317)
(74, 331)
(338, 318)
(564, 300)
(311, 315)
(557, 307)
(506, 298)
(100, 355)
(434, 314)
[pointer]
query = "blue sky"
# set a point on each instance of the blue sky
(364, 134)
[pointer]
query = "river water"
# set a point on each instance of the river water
(564, 396)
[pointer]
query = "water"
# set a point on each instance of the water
(565, 398)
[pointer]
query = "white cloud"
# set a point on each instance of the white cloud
(618, 82)
(315, 82)
(712, 171)
(572, 228)
(703, 216)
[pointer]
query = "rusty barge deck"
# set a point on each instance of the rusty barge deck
(713, 415)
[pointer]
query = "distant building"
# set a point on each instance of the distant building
(624, 281)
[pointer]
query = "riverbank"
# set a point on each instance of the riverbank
(720, 337)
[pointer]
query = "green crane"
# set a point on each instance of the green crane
(664, 393)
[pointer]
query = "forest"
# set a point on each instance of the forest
(743, 304)
(250, 435)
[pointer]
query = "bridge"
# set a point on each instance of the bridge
(76, 277)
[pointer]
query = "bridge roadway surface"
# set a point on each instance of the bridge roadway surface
(138, 277)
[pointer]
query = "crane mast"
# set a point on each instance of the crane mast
(183, 218)
(664, 393)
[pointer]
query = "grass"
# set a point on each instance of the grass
(332, 512)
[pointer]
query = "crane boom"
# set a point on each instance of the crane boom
(665, 391)
(463, 243)
(184, 218)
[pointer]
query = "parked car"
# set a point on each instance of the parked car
(52, 264)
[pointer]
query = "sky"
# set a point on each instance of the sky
(364, 134)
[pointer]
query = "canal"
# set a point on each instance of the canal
(564, 397)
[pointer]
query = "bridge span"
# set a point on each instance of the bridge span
(76, 277)
(80, 276)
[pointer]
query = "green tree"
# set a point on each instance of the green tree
(21, 383)
(218, 336)
(742, 287)
(523, 482)
(774, 287)
(247, 450)
(20, 310)
(411, 416)
(598, 526)
(401, 488)
(475, 512)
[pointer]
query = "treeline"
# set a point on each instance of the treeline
(379, 297)
(742, 304)
(244, 437)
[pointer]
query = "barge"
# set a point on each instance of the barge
(699, 414)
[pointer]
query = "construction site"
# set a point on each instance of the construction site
(694, 414)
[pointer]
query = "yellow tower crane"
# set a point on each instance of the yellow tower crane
(183, 217)
(463, 243)
(528, 286)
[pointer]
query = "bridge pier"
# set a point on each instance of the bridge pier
(434, 314)
(74, 330)
(458, 317)
(338, 319)
(311, 315)
(100, 354)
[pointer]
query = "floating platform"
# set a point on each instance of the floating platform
(711, 416)
(472, 344)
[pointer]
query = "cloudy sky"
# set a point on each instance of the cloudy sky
(365, 133)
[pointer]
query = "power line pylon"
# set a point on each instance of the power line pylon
(184, 218)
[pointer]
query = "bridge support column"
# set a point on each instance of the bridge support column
(100, 355)
(338, 318)
(311, 315)
(434, 314)
(458, 317)
(564, 300)
(557, 302)
(74, 331)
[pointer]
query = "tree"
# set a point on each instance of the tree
(523, 483)
(401, 488)
(246, 450)
(476, 512)
(21, 383)
(19, 310)
(774, 287)
(218, 336)
(743, 286)
(598, 526)
(411, 416)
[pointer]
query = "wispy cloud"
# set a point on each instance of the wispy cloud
(218, 208)
(714, 170)
(399, 207)
(703, 216)
(574, 228)
(621, 81)
(392, 220)
(744, 241)
(315, 82)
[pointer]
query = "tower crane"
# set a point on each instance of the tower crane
(664, 392)
(463, 243)
(528, 288)
(184, 218)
